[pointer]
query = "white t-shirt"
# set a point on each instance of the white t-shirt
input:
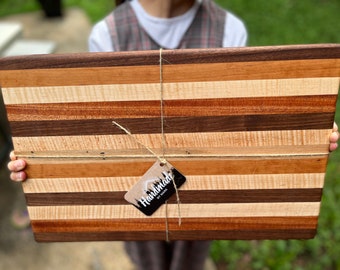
(168, 32)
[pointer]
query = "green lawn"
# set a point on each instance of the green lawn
(269, 22)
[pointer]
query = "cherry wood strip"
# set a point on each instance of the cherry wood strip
(181, 235)
(173, 124)
(59, 168)
(253, 71)
(96, 144)
(197, 56)
(172, 91)
(209, 210)
(172, 108)
(188, 224)
(200, 182)
(192, 196)
(287, 69)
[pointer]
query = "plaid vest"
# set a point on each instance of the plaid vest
(206, 30)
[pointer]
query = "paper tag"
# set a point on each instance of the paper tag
(155, 187)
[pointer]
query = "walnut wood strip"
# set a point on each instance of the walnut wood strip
(173, 124)
(192, 196)
(172, 73)
(98, 144)
(187, 211)
(172, 108)
(197, 56)
(188, 224)
(172, 91)
(180, 235)
(54, 168)
(204, 182)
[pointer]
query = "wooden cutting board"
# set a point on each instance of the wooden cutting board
(248, 127)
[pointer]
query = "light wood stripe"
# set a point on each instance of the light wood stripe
(172, 73)
(172, 91)
(54, 168)
(223, 152)
(187, 211)
(200, 182)
(183, 140)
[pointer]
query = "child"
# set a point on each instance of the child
(168, 24)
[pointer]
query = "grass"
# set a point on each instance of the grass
(273, 22)
(278, 22)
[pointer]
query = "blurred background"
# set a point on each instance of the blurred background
(64, 28)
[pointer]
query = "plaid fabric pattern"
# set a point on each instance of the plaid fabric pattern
(206, 30)
(161, 255)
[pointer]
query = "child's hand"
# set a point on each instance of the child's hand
(17, 166)
(333, 139)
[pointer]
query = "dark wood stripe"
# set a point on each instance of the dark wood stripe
(217, 224)
(195, 56)
(186, 197)
(173, 125)
(63, 168)
(193, 107)
(183, 235)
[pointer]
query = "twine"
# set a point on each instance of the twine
(162, 158)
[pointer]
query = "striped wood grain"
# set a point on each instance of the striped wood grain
(260, 70)
(221, 228)
(172, 108)
(274, 140)
(248, 127)
(286, 87)
(208, 182)
(210, 210)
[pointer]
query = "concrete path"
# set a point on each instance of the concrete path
(69, 32)
(18, 250)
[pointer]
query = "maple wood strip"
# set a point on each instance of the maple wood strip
(192, 196)
(204, 152)
(54, 168)
(198, 56)
(173, 124)
(193, 107)
(98, 144)
(172, 73)
(193, 224)
(292, 209)
(181, 235)
(206, 182)
(172, 91)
